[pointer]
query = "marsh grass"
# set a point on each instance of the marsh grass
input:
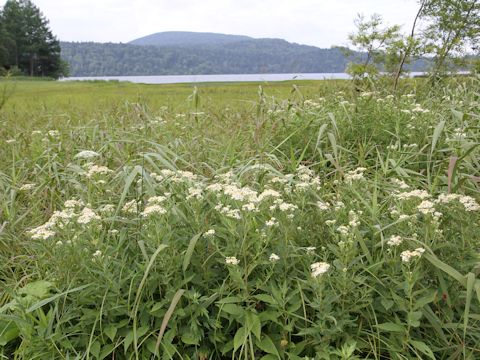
(187, 195)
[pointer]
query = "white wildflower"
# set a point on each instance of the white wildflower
(96, 169)
(272, 222)
(420, 194)
(274, 257)
(323, 205)
(107, 209)
(232, 260)
(354, 175)
(209, 233)
(426, 207)
(72, 203)
(86, 154)
(343, 230)
(97, 253)
(153, 210)
(87, 215)
(319, 268)
(27, 187)
(130, 207)
(394, 240)
(408, 255)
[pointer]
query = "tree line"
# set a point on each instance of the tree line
(27, 45)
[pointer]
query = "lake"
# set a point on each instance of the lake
(174, 79)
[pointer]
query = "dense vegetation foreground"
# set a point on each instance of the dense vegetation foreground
(306, 221)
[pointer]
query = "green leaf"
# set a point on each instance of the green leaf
(190, 338)
(253, 325)
(391, 327)
(414, 318)
(128, 341)
(95, 349)
(267, 345)
(8, 332)
(239, 338)
(39, 289)
(265, 298)
(54, 297)
(423, 348)
(233, 309)
(168, 314)
(387, 303)
(106, 350)
(188, 254)
(270, 357)
(436, 134)
(469, 295)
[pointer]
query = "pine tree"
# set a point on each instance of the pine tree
(29, 44)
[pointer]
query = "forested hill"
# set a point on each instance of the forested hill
(187, 38)
(182, 53)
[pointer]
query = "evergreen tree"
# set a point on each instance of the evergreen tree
(28, 43)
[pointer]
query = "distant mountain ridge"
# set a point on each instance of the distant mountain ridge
(187, 53)
(187, 38)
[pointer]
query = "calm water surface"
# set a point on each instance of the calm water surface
(173, 79)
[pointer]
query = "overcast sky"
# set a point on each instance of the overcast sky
(313, 22)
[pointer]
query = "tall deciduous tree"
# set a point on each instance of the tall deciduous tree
(377, 44)
(453, 29)
(29, 44)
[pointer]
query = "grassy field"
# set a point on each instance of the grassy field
(292, 220)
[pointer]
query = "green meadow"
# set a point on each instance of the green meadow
(291, 220)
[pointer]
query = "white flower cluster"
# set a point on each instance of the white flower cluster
(154, 207)
(87, 215)
(307, 179)
(319, 268)
(178, 176)
(210, 233)
(468, 202)
(418, 109)
(420, 194)
(354, 175)
(426, 207)
(93, 169)
(394, 240)
(323, 205)
(232, 260)
(61, 218)
(408, 255)
(228, 211)
(274, 257)
(131, 207)
(272, 222)
(400, 184)
(86, 154)
(27, 187)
